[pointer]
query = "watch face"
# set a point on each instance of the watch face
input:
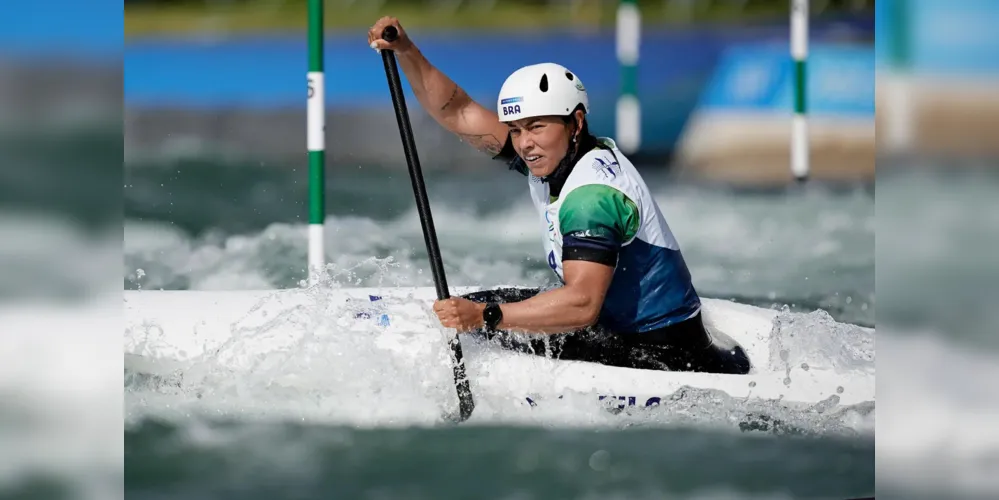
(492, 314)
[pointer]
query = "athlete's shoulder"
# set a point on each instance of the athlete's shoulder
(602, 164)
(605, 148)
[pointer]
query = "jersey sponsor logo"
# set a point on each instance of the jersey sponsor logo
(630, 401)
(511, 110)
(552, 263)
(605, 168)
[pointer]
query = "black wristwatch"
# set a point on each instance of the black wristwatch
(492, 315)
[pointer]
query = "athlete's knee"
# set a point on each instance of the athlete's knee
(737, 361)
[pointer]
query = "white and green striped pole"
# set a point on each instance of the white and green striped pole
(316, 138)
(899, 117)
(629, 113)
(799, 52)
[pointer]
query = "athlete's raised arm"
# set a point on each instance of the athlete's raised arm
(443, 99)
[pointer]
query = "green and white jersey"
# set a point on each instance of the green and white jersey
(605, 213)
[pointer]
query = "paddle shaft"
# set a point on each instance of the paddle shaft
(465, 402)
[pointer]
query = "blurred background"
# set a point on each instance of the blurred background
(937, 227)
(225, 77)
(205, 103)
(61, 134)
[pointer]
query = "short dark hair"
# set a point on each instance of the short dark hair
(587, 141)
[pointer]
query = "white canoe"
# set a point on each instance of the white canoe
(167, 331)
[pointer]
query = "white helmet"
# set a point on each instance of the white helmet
(541, 90)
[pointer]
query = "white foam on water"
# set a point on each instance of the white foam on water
(815, 340)
(761, 246)
(309, 361)
(939, 414)
(308, 358)
(276, 256)
(44, 256)
(332, 372)
(60, 369)
(60, 356)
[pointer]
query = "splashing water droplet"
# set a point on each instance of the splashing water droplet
(752, 384)
(804, 366)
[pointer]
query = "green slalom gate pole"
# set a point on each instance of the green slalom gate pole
(316, 138)
(629, 113)
(799, 125)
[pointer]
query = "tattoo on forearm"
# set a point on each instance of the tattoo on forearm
(454, 94)
(487, 143)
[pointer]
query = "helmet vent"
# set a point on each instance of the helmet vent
(568, 75)
(544, 82)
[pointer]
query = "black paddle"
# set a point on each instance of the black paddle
(390, 34)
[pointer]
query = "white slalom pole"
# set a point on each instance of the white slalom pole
(799, 126)
(899, 133)
(316, 141)
(629, 113)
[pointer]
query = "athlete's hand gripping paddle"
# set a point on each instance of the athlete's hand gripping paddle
(465, 402)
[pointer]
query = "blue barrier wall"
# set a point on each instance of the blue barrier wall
(760, 77)
(952, 36)
(268, 71)
(91, 30)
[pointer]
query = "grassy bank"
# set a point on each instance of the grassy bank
(290, 15)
